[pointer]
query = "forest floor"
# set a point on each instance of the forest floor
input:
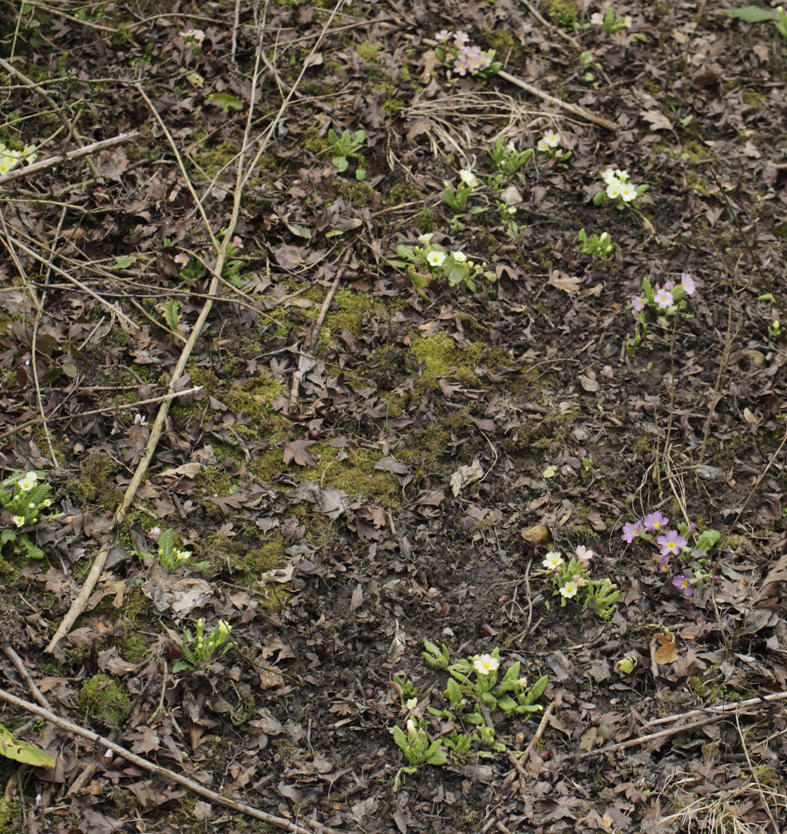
(249, 327)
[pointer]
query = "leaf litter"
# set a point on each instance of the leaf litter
(442, 443)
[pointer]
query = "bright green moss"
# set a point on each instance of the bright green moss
(104, 698)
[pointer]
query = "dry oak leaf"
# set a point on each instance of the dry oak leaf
(666, 653)
(564, 282)
(297, 451)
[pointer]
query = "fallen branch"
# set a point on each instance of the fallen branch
(581, 112)
(112, 408)
(70, 156)
(708, 718)
(168, 775)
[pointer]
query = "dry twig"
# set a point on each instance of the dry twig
(169, 776)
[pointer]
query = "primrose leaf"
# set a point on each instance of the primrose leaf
(21, 751)
(225, 101)
(751, 14)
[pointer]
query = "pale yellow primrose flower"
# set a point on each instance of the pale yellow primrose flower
(628, 192)
(569, 590)
(553, 560)
(435, 258)
(469, 178)
(460, 257)
(485, 664)
(19, 520)
(411, 704)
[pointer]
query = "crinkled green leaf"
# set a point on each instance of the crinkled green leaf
(751, 14)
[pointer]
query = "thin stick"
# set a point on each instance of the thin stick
(20, 667)
(306, 362)
(70, 156)
(112, 408)
(540, 731)
(167, 775)
(707, 719)
(740, 706)
(68, 124)
(556, 29)
(564, 105)
(41, 259)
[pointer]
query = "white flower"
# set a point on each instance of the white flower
(510, 148)
(19, 520)
(553, 560)
(597, 18)
(193, 34)
(460, 257)
(569, 590)
(468, 178)
(583, 554)
(425, 238)
(608, 176)
(626, 22)
(623, 176)
(435, 258)
(628, 192)
(485, 663)
(410, 727)
(523, 683)
(411, 704)
(549, 140)
(613, 189)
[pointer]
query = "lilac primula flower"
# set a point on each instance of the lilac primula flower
(461, 38)
(182, 259)
(669, 286)
(632, 530)
(663, 299)
(460, 66)
(688, 284)
(682, 584)
(664, 564)
(672, 542)
(238, 242)
(655, 521)
(638, 303)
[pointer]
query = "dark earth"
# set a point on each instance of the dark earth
(209, 343)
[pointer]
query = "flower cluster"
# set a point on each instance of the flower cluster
(193, 37)
(430, 261)
(675, 553)
(572, 577)
(610, 22)
(10, 159)
(24, 497)
(619, 189)
(666, 296)
(464, 58)
(664, 300)
(550, 141)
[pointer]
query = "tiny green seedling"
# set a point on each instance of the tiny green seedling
(597, 247)
(346, 147)
(198, 650)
